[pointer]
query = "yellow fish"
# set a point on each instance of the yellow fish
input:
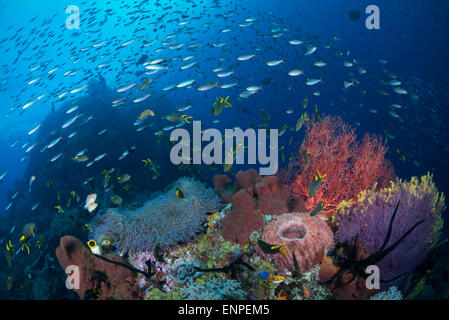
(9, 245)
(174, 117)
(124, 178)
(179, 194)
(276, 279)
(144, 85)
(146, 161)
(39, 241)
(316, 182)
(279, 248)
(10, 282)
(145, 115)
(60, 210)
(9, 254)
(218, 106)
(87, 227)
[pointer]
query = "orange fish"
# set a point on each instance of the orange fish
(306, 292)
(279, 296)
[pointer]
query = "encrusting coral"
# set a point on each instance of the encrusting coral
(172, 217)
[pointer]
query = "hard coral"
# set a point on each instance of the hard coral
(97, 278)
(308, 238)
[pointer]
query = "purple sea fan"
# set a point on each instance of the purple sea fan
(369, 218)
(172, 217)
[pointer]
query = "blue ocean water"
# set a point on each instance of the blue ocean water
(44, 64)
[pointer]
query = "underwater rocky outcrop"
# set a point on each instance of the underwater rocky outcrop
(171, 217)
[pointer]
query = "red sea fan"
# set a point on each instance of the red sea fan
(370, 165)
(330, 148)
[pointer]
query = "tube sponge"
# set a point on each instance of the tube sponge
(164, 220)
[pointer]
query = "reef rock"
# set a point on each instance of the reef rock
(307, 237)
(99, 279)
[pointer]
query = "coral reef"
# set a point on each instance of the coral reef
(160, 270)
(98, 279)
(368, 219)
(308, 238)
(330, 148)
(209, 250)
(172, 217)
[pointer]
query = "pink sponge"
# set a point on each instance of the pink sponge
(309, 238)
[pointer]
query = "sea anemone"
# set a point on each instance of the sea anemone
(172, 217)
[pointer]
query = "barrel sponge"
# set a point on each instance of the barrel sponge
(307, 237)
(165, 220)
